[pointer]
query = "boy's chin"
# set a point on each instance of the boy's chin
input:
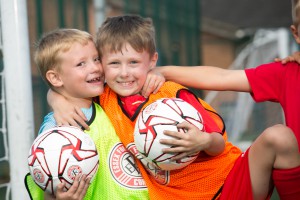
(96, 92)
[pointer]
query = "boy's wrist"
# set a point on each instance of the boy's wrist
(163, 70)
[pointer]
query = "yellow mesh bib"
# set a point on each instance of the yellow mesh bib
(118, 177)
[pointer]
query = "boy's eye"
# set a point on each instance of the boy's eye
(80, 64)
(97, 59)
(133, 62)
(114, 63)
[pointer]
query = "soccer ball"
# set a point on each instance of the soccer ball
(164, 114)
(59, 154)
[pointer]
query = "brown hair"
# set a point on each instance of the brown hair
(115, 32)
(52, 44)
(295, 11)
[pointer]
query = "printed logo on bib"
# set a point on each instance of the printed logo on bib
(160, 176)
(124, 169)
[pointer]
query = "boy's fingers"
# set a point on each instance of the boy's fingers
(158, 87)
(81, 182)
(71, 122)
(147, 88)
(81, 118)
(173, 149)
(65, 122)
(185, 125)
(174, 134)
(61, 185)
(85, 126)
(80, 113)
(80, 122)
(285, 60)
(85, 186)
(60, 188)
(277, 59)
(60, 121)
(179, 156)
(75, 184)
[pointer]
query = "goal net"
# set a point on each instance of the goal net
(4, 159)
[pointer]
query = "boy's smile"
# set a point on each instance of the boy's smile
(126, 71)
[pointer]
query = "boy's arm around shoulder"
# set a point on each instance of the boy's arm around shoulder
(66, 113)
(207, 77)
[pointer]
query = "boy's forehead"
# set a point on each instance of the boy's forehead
(77, 51)
(67, 46)
(122, 48)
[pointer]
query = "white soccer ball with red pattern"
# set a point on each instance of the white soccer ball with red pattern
(164, 114)
(59, 154)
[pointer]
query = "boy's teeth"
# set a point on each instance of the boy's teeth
(95, 79)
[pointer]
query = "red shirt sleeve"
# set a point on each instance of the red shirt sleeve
(209, 124)
(266, 81)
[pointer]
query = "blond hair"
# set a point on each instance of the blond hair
(115, 32)
(295, 11)
(49, 47)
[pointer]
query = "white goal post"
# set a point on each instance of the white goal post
(18, 92)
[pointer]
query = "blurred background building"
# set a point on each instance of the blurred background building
(227, 34)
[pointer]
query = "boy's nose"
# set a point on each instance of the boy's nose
(124, 70)
(96, 67)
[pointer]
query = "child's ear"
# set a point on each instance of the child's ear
(295, 33)
(54, 78)
(153, 60)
